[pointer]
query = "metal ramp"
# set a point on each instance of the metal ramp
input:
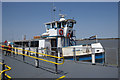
(70, 69)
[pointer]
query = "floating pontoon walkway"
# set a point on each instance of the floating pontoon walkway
(69, 69)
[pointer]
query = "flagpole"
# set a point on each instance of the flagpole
(96, 39)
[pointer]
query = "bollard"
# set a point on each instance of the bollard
(37, 61)
(56, 66)
(3, 74)
(23, 53)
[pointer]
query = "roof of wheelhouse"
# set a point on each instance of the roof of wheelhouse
(67, 20)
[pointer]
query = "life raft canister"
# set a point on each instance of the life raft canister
(61, 32)
(68, 35)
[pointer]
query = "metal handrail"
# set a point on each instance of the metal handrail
(33, 52)
(33, 56)
(61, 77)
(9, 68)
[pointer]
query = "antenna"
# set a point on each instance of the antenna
(54, 9)
(60, 11)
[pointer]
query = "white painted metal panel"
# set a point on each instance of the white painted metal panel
(42, 43)
(97, 48)
(19, 51)
(83, 50)
(53, 32)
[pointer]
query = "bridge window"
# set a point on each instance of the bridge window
(63, 24)
(53, 25)
(25, 44)
(70, 24)
(34, 43)
(59, 24)
(48, 26)
(18, 44)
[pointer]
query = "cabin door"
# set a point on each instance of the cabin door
(53, 45)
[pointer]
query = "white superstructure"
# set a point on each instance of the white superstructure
(60, 37)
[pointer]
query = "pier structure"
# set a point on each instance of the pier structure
(70, 69)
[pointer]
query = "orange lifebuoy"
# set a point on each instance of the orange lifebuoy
(61, 32)
(68, 35)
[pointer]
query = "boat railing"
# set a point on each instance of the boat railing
(86, 54)
(3, 75)
(108, 56)
(37, 57)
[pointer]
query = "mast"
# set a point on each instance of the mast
(53, 9)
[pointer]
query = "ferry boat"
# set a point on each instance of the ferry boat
(60, 37)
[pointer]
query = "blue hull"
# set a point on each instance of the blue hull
(99, 58)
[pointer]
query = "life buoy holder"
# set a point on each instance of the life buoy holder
(61, 32)
(68, 35)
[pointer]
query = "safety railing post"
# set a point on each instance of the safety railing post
(47, 51)
(59, 53)
(3, 68)
(23, 53)
(37, 61)
(13, 52)
(93, 56)
(104, 56)
(56, 60)
(74, 54)
(17, 51)
(4, 51)
(28, 53)
(102, 59)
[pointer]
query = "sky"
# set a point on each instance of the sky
(0, 21)
(28, 18)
